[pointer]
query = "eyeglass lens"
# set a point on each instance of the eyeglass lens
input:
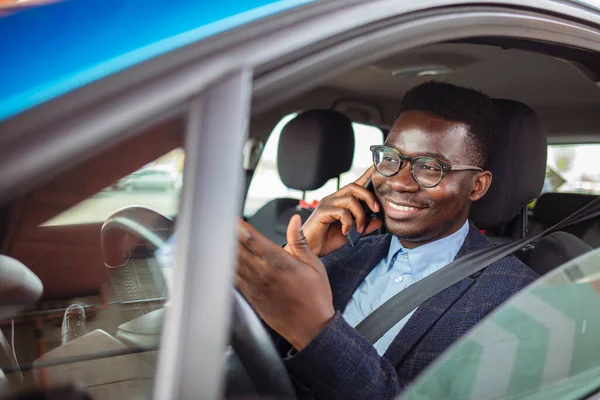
(426, 170)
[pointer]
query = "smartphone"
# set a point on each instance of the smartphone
(353, 235)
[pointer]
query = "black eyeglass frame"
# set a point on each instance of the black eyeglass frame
(445, 167)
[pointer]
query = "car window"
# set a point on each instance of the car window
(98, 323)
(266, 184)
(156, 185)
(573, 168)
(541, 344)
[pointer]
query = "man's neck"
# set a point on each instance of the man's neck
(411, 244)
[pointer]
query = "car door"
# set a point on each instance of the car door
(541, 344)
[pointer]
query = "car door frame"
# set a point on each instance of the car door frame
(211, 84)
(294, 74)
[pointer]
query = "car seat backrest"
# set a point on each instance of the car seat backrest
(555, 250)
(552, 208)
(518, 165)
(314, 147)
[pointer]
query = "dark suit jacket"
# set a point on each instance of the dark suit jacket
(340, 364)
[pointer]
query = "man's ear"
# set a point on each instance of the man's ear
(483, 180)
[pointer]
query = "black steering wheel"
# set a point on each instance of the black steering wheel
(253, 364)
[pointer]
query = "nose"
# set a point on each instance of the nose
(403, 181)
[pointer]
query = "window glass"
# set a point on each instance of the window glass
(573, 168)
(98, 323)
(156, 186)
(540, 344)
(266, 184)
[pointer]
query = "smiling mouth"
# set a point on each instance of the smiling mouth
(396, 210)
(402, 208)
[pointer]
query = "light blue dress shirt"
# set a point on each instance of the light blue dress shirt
(398, 270)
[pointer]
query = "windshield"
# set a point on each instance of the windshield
(544, 343)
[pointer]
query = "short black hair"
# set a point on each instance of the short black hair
(459, 104)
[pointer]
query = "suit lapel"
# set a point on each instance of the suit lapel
(428, 313)
(350, 269)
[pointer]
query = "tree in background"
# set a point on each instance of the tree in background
(563, 158)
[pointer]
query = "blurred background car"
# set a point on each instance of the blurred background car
(150, 179)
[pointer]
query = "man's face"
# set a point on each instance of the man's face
(436, 212)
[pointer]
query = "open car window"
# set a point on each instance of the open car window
(540, 344)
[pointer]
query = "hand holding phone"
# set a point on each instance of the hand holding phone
(354, 235)
(327, 227)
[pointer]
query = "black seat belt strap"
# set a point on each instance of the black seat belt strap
(376, 324)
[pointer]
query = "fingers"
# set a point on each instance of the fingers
(353, 205)
(241, 285)
(246, 288)
(330, 215)
(345, 206)
(297, 241)
(358, 192)
(364, 178)
(255, 253)
(249, 264)
(254, 241)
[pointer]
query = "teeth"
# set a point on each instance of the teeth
(401, 208)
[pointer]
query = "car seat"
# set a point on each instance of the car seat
(552, 208)
(518, 165)
(555, 250)
(315, 146)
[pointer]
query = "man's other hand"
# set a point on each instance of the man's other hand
(288, 289)
(328, 225)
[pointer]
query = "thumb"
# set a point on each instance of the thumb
(297, 243)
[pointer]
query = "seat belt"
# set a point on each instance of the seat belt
(376, 324)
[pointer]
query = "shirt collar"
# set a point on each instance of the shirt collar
(441, 250)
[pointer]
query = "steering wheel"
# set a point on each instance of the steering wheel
(252, 362)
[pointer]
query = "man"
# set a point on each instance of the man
(313, 292)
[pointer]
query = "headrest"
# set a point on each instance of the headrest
(314, 147)
(551, 208)
(517, 162)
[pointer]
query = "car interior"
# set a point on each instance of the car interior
(104, 289)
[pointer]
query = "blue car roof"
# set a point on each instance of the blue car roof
(50, 50)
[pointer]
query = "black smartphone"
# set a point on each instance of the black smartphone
(353, 235)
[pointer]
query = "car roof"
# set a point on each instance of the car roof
(56, 48)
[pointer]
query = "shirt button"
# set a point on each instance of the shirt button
(398, 279)
(405, 255)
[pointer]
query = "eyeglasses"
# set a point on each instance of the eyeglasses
(427, 171)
